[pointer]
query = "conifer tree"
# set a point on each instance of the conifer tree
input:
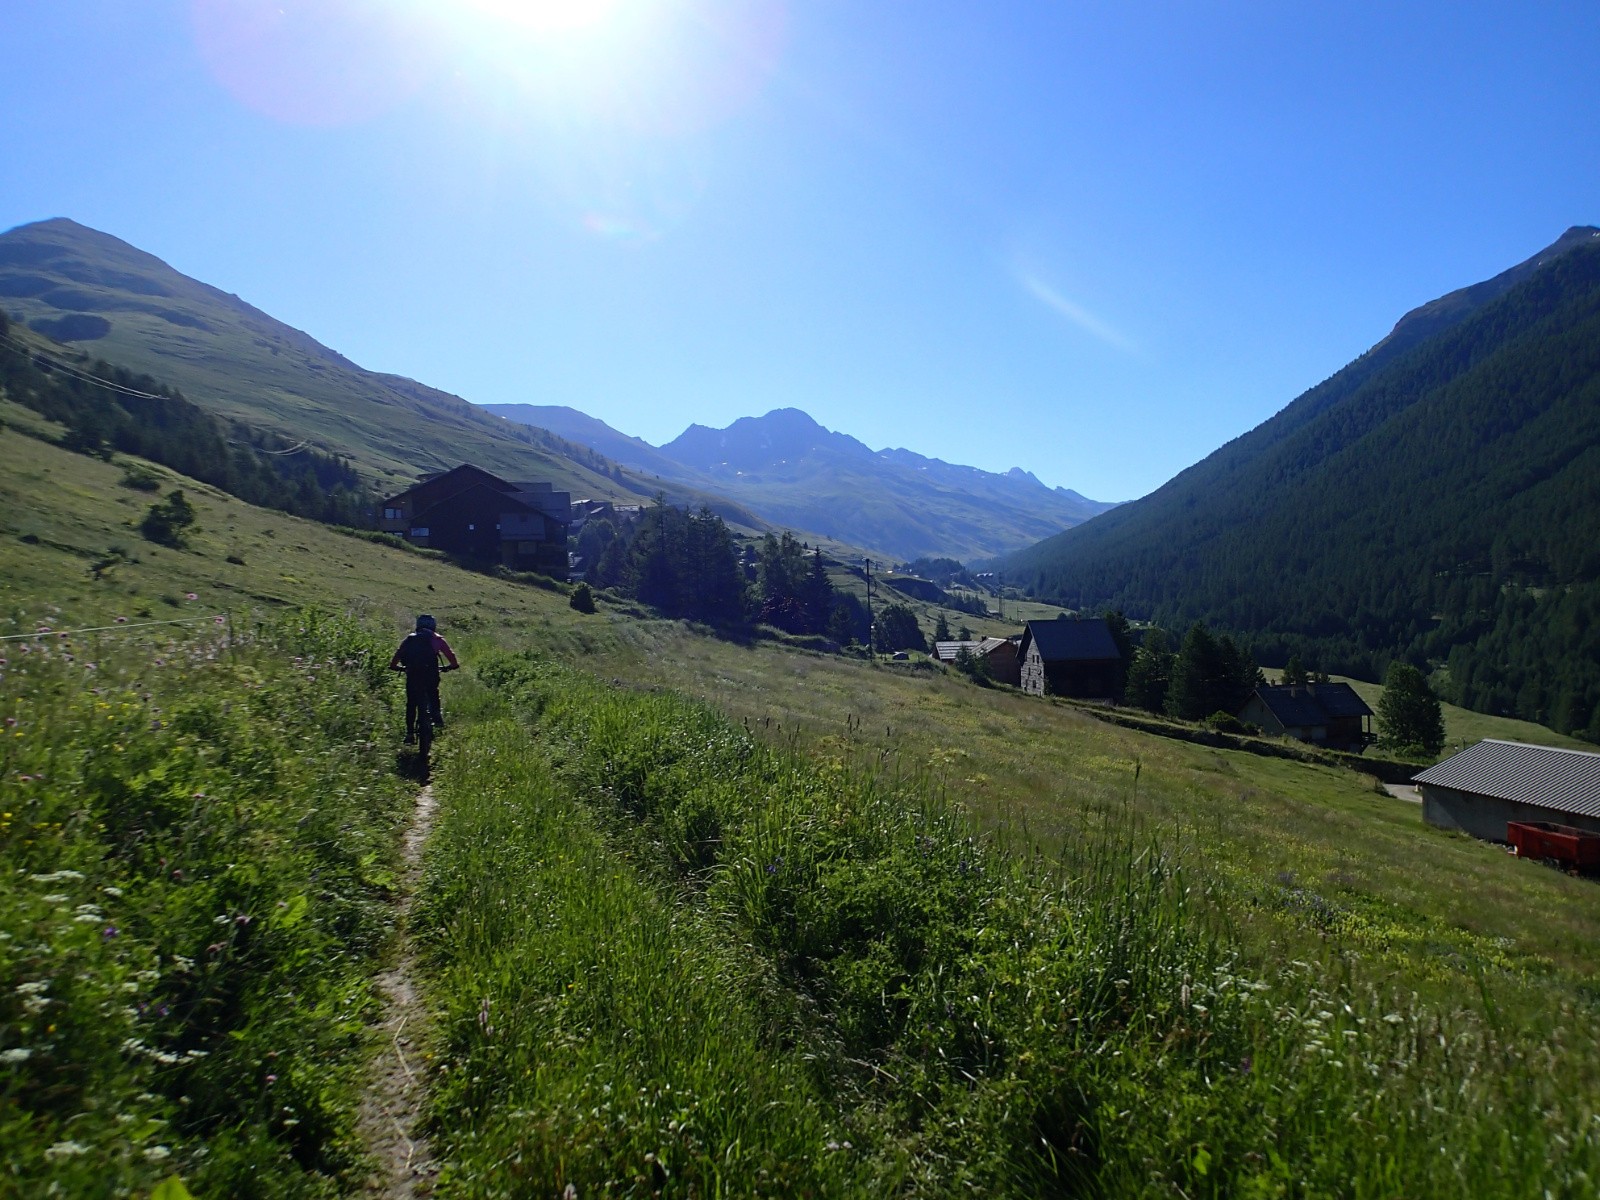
(1409, 713)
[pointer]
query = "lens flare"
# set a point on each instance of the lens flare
(545, 16)
(312, 62)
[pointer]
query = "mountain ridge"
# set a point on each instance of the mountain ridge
(106, 297)
(794, 471)
(1431, 501)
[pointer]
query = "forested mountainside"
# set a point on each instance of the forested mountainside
(106, 409)
(1436, 500)
(98, 294)
(794, 472)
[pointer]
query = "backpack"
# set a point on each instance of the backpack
(416, 653)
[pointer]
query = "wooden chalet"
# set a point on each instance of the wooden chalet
(1068, 657)
(476, 514)
(1324, 714)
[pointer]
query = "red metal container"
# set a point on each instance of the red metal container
(1572, 848)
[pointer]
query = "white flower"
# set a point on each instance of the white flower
(66, 1150)
(57, 877)
(157, 1153)
(56, 898)
(34, 987)
(112, 891)
(17, 1054)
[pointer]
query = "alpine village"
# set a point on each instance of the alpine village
(805, 819)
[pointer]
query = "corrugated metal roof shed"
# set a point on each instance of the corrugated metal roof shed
(950, 651)
(1564, 780)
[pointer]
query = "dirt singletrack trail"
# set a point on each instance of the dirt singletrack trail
(391, 1110)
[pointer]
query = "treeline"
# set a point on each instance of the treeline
(686, 564)
(1436, 506)
(134, 414)
(1208, 674)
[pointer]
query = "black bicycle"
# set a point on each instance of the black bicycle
(423, 714)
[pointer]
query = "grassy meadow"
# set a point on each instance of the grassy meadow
(709, 918)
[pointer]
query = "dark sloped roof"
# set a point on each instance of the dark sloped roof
(1304, 704)
(544, 501)
(1072, 641)
(1340, 700)
(949, 651)
(1294, 707)
(460, 478)
(1564, 780)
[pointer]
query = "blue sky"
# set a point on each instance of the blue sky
(1093, 240)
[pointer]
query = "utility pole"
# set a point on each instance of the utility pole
(871, 652)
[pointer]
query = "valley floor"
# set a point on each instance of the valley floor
(947, 937)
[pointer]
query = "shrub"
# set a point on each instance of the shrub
(140, 478)
(582, 598)
(167, 522)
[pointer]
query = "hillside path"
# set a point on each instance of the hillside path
(391, 1111)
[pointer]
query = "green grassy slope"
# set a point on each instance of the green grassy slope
(1298, 864)
(115, 302)
(62, 514)
(1018, 761)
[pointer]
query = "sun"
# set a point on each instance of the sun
(544, 16)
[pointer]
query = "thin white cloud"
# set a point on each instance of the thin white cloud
(1076, 313)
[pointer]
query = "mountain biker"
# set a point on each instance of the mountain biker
(418, 656)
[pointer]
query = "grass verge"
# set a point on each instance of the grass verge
(198, 837)
(656, 910)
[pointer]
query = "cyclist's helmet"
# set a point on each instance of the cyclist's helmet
(427, 622)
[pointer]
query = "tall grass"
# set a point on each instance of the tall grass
(959, 1017)
(197, 836)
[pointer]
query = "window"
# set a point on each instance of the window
(393, 514)
(420, 531)
(471, 528)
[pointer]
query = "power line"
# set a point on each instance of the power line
(85, 376)
(16, 637)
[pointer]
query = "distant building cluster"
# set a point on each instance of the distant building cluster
(475, 514)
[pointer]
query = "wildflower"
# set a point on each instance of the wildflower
(219, 620)
(17, 1054)
(11, 722)
(122, 620)
(109, 932)
(191, 596)
(157, 1153)
(66, 1150)
(44, 629)
(272, 1079)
